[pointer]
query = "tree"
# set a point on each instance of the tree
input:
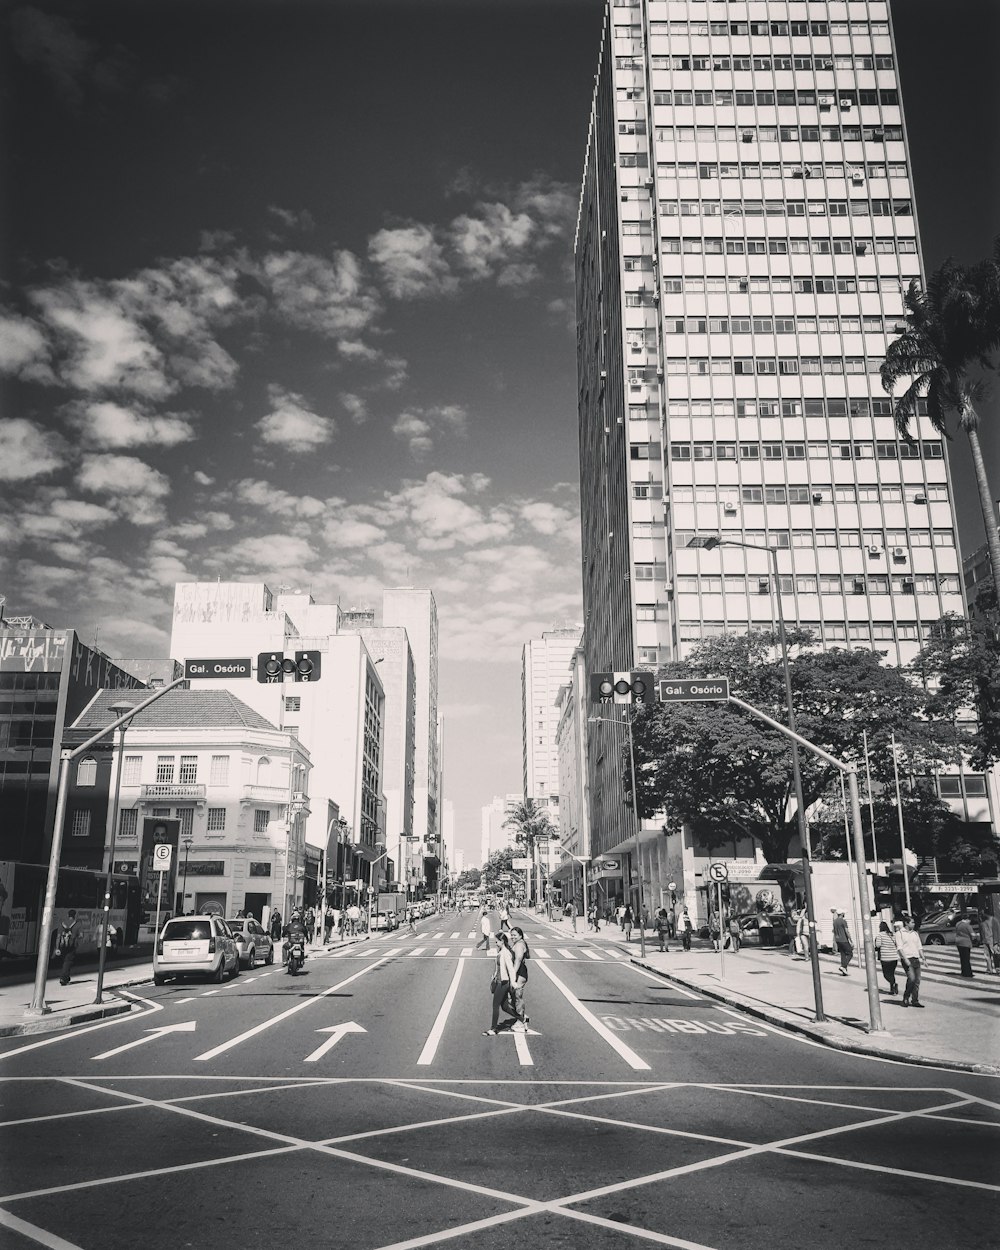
(961, 665)
(531, 824)
(469, 879)
(497, 866)
(727, 776)
(953, 325)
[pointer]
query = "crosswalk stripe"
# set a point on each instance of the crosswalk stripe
(442, 950)
(566, 954)
(455, 934)
(593, 955)
(542, 954)
(417, 950)
(466, 950)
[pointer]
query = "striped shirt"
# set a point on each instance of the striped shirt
(886, 947)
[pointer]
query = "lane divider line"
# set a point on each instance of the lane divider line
(437, 1031)
(616, 1044)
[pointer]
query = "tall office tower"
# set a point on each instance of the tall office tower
(745, 234)
(495, 836)
(545, 666)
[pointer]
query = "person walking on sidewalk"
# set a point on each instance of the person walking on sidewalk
(686, 928)
(963, 940)
(885, 948)
(842, 941)
(486, 929)
(800, 945)
(66, 946)
(734, 933)
(662, 927)
(910, 953)
(627, 923)
(989, 932)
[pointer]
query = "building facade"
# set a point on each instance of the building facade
(545, 665)
(745, 235)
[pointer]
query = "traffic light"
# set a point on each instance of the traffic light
(621, 687)
(275, 666)
(882, 889)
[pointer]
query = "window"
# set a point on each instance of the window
(188, 774)
(164, 769)
(86, 772)
(217, 819)
(293, 703)
(752, 494)
(80, 826)
(131, 770)
(128, 822)
(775, 494)
(219, 771)
(261, 818)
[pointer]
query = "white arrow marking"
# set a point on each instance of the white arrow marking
(151, 1035)
(336, 1031)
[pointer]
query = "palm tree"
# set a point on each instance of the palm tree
(952, 325)
(531, 825)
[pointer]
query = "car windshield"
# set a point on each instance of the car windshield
(188, 931)
(237, 926)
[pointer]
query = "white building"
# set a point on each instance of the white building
(236, 784)
(545, 665)
(494, 835)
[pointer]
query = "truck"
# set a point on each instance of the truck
(389, 911)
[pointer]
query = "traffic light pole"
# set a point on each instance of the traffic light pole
(635, 813)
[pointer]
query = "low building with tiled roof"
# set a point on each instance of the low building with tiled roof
(206, 773)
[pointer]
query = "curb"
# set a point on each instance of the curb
(835, 1041)
(55, 1023)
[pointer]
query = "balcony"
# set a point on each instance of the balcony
(173, 791)
(264, 794)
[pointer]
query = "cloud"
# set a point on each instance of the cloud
(411, 262)
(551, 519)
(202, 478)
(354, 406)
(270, 555)
(291, 425)
(28, 451)
(24, 350)
(114, 427)
(133, 488)
(71, 61)
(269, 498)
(420, 426)
(315, 293)
(293, 220)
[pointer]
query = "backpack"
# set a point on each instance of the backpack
(67, 939)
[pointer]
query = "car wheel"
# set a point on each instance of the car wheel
(269, 957)
(220, 973)
(935, 939)
(159, 978)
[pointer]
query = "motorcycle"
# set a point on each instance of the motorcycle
(296, 956)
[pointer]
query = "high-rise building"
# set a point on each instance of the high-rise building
(545, 666)
(745, 235)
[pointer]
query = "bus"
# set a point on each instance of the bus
(22, 899)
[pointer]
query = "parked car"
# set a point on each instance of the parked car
(386, 920)
(252, 941)
(750, 927)
(939, 930)
(191, 945)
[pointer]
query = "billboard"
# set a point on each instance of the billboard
(157, 830)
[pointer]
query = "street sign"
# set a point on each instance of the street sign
(162, 854)
(718, 872)
(606, 865)
(520, 864)
(224, 670)
(371, 889)
(702, 690)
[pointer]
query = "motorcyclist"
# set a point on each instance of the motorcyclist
(295, 930)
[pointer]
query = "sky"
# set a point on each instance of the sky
(286, 294)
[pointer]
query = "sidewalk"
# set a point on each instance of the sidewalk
(74, 1003)
(960, 1027)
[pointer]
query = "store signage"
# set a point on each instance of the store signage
(206, 868)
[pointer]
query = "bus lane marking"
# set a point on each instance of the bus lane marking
(616, 1044)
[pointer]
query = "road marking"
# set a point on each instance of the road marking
(523, 1054)
(336, 1031)
(243, 1037)
(176, 1002)
(626, 1052)
(455, 934)
(34, 1233)
(542, 954)
(566, 954)
(434, 1037)
(593, 955)
(207, 993)
(417, 950)
(151, 1035)
(441, 950)
(466, 950)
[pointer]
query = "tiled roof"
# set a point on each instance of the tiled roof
(179, 709)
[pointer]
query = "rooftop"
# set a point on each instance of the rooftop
(180, 709)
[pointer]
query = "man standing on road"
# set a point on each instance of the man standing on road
(963, 940)
(486, 929)
(910, 952)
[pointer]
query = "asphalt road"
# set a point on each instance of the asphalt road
(359, 1105)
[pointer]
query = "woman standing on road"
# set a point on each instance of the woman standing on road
(501, 981)
(519, 958)
(885, 948)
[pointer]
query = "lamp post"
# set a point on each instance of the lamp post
(583, 861)
(117, 710)
(188, 842)
(708, 543)
(635, 813)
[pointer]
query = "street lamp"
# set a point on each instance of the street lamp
(188, 841)
(117, 710)
(583, 861)
(635, 813)
(708, 542)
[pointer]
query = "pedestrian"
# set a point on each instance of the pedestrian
(842, 941)
(800, 946)
(500, 982)
(329, 923)
(486, 930)
(310, 922)
(963, 941)
(275, 924)
(627, 922)
(661, 925)
(571, 913)
(620, 915)
(353, 919)
(885, 948)
(734, 933)
(686, 929)
(989, 931)
(672, 921)
(504, 917)
(714, 931)
(410, 920)
(910, 954)
(519, 983)
(66, 945)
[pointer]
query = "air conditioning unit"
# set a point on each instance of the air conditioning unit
(899, 553)
(650, 180)
(729, 509)
(744, 284)
(826, 63)
(817, 496)
(826, 101)
(604, 374)
(857, 177)
(763, 586)
(875, 552)
(846, 105)
(919, 498)
(878, 133)
(797, 173)
(859, 585)
(747, 136)
(908, 587)
(635, 347)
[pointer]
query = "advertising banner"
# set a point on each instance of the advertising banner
(156, 830)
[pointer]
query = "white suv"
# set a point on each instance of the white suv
(195, 944)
